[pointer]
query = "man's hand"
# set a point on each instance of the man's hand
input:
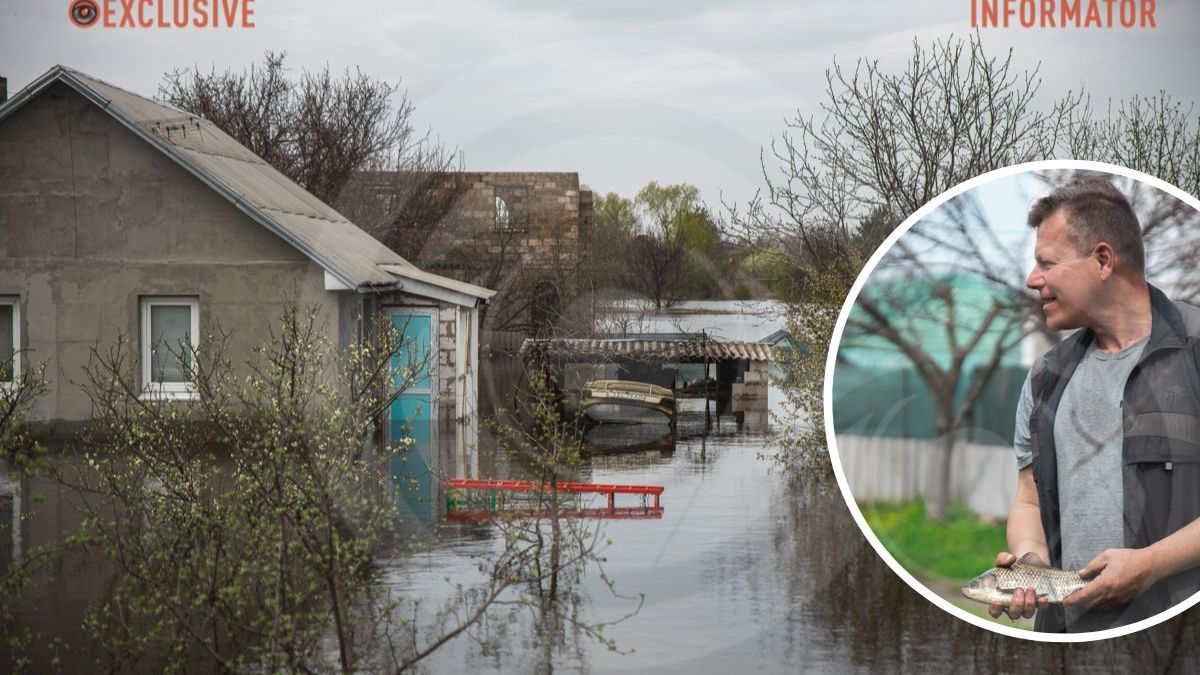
(1117, 576)
(1024, 601)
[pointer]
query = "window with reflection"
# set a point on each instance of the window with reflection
(510, 208)
(170, 328)
(503, 218)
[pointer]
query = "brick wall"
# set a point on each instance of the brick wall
(536, 241)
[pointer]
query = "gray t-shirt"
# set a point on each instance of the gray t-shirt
(1088, 442)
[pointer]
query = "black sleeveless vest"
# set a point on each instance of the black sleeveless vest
(1160, 453)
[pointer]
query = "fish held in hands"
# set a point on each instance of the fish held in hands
(997, 584)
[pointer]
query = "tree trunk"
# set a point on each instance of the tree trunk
(937, 497)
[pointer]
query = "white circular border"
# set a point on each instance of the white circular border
(904, 227)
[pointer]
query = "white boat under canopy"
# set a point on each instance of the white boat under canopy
(628, 402)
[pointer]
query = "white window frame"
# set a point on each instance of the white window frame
(15, 303)
(167, 390)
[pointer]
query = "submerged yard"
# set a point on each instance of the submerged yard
(748, 570)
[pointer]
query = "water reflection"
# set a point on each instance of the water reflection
(38, 514)
(622, 439)
(707, 480)
(414, 486)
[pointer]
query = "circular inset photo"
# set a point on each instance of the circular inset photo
(1012, 401)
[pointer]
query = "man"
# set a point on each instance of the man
(1108, 427)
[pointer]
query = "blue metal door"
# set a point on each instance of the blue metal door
(411, 414)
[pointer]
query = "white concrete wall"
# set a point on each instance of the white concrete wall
(984, 477)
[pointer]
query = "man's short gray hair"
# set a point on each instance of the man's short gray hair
(1096, 211)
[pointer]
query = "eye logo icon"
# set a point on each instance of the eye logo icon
(84, 12)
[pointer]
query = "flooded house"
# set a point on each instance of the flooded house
(122, 217)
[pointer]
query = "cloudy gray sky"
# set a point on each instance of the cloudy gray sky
(621, 91)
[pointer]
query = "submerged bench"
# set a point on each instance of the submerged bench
(611, 490)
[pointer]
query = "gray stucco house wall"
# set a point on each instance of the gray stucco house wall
(110, 201)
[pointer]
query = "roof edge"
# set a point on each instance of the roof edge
(428, 290)
(412, 277)
(19, 99)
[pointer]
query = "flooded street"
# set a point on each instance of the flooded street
(747, 570)
(706, 571)
(750, 570)
(705, 568)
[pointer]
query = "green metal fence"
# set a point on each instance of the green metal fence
(896, 403)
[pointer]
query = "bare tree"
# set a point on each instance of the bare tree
(889, 142)
(317, 129)
(653, 268)
(499, 264)
(953, 329)
(886, 143)
(1154, 134)
(403, 209)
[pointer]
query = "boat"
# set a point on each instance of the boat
(627, 402)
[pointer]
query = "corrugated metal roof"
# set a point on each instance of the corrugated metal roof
(252, 184)
(324, 233)
(410, 271)
(659, 350)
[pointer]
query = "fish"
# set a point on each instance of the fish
(998, 583)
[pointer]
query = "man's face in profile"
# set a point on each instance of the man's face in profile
(1066, 280)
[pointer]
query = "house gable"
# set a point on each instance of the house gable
(93, 220)
(78, 184)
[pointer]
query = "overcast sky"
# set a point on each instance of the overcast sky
(621, 91)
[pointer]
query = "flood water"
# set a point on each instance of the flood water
(751, 570)
(704, 568)
(748, 570)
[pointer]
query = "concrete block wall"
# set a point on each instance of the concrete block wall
(753, 386)
(446, 342)
(983, 477)
(546, 211)
(547, 237)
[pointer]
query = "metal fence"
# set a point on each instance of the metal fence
(500, 341)
(897, 404)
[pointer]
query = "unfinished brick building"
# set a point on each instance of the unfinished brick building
(524, 234)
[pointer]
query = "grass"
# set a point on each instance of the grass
(942, 555)
(957, 550)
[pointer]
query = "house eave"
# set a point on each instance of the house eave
(426, 289)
